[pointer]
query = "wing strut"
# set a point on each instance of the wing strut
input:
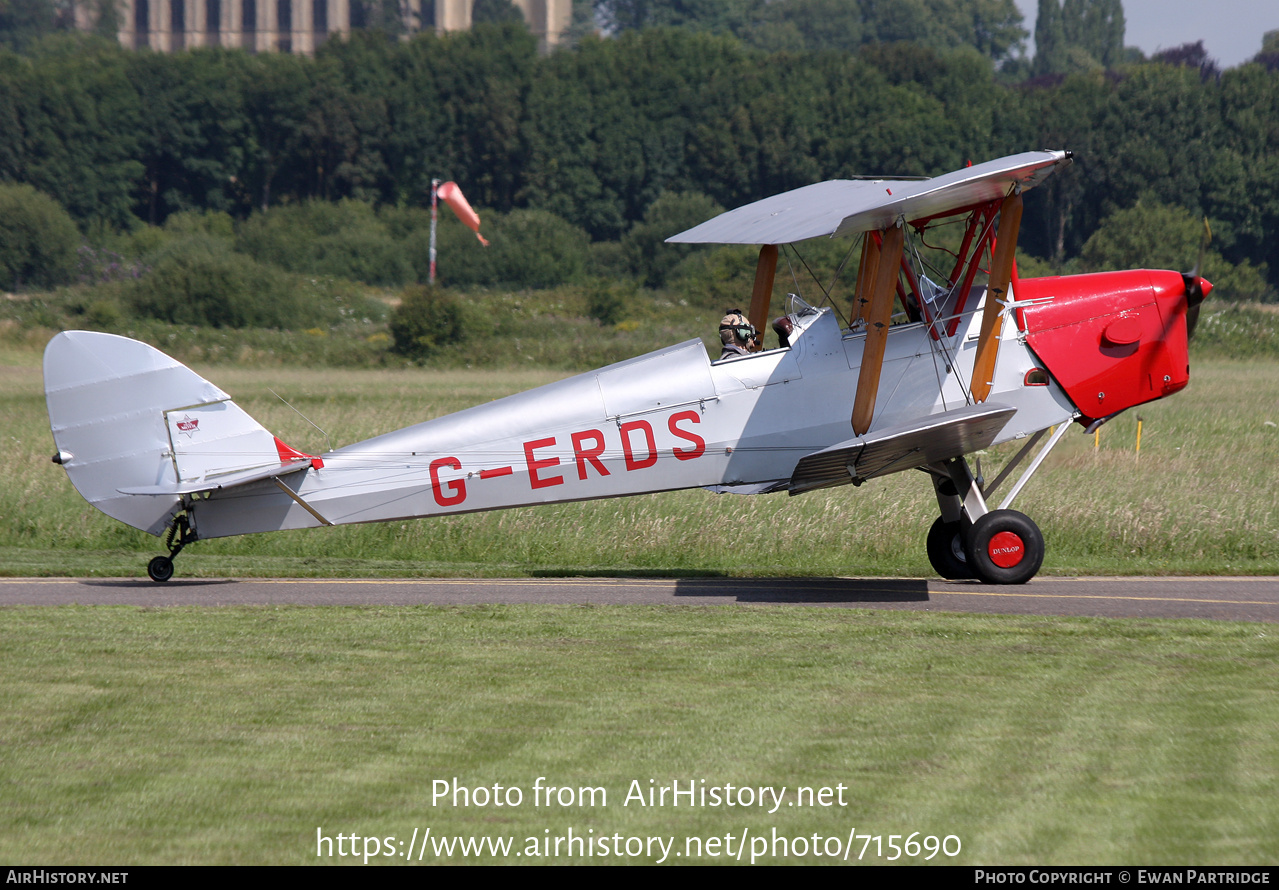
(1001, 271)
(762, 294)
(877, 321)
(866, 271)
(981, 221)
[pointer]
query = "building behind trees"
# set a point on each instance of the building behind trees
(300, 26)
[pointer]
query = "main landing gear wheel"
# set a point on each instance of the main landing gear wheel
(160, 569)
(1005, 547)
(946, 550)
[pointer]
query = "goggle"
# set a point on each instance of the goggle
(743, 331)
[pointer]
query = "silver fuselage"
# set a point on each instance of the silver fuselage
(668, 420)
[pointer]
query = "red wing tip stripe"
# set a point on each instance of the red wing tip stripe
(494, 473)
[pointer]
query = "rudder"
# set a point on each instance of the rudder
(137, 430)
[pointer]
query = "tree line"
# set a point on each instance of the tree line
(595, 134)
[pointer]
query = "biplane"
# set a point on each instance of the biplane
(979, 357)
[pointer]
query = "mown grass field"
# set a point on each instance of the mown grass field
(229, 736)
(1202, 497)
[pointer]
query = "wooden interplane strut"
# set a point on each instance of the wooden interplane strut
(762, 293)
(877, 318)
(866, 271)
(1001, 271)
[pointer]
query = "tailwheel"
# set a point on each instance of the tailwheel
(160, 569)
(1005, 547)
(946, 549)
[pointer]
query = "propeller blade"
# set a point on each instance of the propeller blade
(1194, 289)
(1195, 292)
(1192, 320)
(1203, 246)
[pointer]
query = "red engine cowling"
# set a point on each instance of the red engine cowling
(1111, 339)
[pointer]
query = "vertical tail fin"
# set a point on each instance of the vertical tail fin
(136, 430)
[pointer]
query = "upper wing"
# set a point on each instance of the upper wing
(844, 206)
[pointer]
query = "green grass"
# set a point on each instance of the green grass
(1202, 497)
(136, 736)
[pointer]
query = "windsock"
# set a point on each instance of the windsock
(452, 196)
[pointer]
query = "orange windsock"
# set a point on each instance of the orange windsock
(452, 196)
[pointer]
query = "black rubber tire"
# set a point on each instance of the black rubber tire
(946, 550)
(160, 569)
(1005, 547)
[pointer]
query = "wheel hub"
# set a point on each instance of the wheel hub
(1006, 549)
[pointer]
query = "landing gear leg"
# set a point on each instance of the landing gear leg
(160, 568)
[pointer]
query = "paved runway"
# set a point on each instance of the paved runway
(1235, 598)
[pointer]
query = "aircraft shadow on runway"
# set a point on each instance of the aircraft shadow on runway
(807, 590)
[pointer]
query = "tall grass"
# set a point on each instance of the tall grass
(1239, 331)
(1202, 497)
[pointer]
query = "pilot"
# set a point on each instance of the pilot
(737, 334)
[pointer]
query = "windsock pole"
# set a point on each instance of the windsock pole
(435, 203)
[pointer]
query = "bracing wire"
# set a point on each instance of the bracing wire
(328, 443)
(817, 281)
